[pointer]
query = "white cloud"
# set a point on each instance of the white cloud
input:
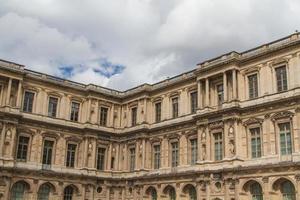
(153, 39)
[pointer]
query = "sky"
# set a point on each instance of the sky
(124, 43)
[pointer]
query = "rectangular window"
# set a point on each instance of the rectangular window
(220, 94)
(218, 146)
(281, 78)
(285, 138)
(194, 151)
(133, 116)
(253, 86)
(100, 158)
(175, 154)
(71, 153)
(156, 156)
(132, 159)
(175, 107)
(52, 106)
(103, 116)
(22, 148)
(255, 142)
(28, 101)
(194, 102)
(75, 111)
(47, 154)
(158, 112)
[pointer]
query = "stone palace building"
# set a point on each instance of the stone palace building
(227, 130)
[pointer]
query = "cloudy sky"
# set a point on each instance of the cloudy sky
(123, 43)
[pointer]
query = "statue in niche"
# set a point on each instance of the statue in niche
(203, 135)
(141, 149)
(8, 136)
(203, 152)
(123, 154)
(231, 147)
(231, 131)
(90, 149)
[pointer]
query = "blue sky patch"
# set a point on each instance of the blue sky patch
(108, 69)
(67, 71)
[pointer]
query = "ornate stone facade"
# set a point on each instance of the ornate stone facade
(230, 129)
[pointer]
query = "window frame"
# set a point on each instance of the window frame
(57, 106)
(33, 101)
(155, 165)
(132, 162)
(191, 101)
(214, 145)
(134, 115)
(75, 154)
(278, 123)
(100, 115)
(191, 161)
(177, 151)
(258, 127)
(53, 151)
(79, 110)
(256, 73)
(104, 157)
(28, 147)
(219, 93)
(175, 114)
(277, 67)
(156, 118)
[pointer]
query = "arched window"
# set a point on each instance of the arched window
(18, 191)
(44, 192)
(153, 194)
(192, 193)
(68, 193)
(172, 194)
(288, 191)
(256, 191)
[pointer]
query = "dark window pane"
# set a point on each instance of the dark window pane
(194, 102)
(22, 148)
(28, 101)
(175, 107)
(103, 116)
(52, 107)
(158, 112)
(71, 152)
(133, 116)
(75, 111)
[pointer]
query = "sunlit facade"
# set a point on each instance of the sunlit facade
(227, 130)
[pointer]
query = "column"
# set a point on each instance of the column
(200, 106)
(19, 97)
(225, 86)
(207, 92)
(88, 112)
(2, 139)
(117, 157)
(112, 117)
(145, 110)
(234, 85)
(109, 157)
(144, 154)
(8, 91)
(198, 189)
(199, 131)
(85, 153)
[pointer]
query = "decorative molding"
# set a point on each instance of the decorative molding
(216, 125)
(251, 121)
(282, 115)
